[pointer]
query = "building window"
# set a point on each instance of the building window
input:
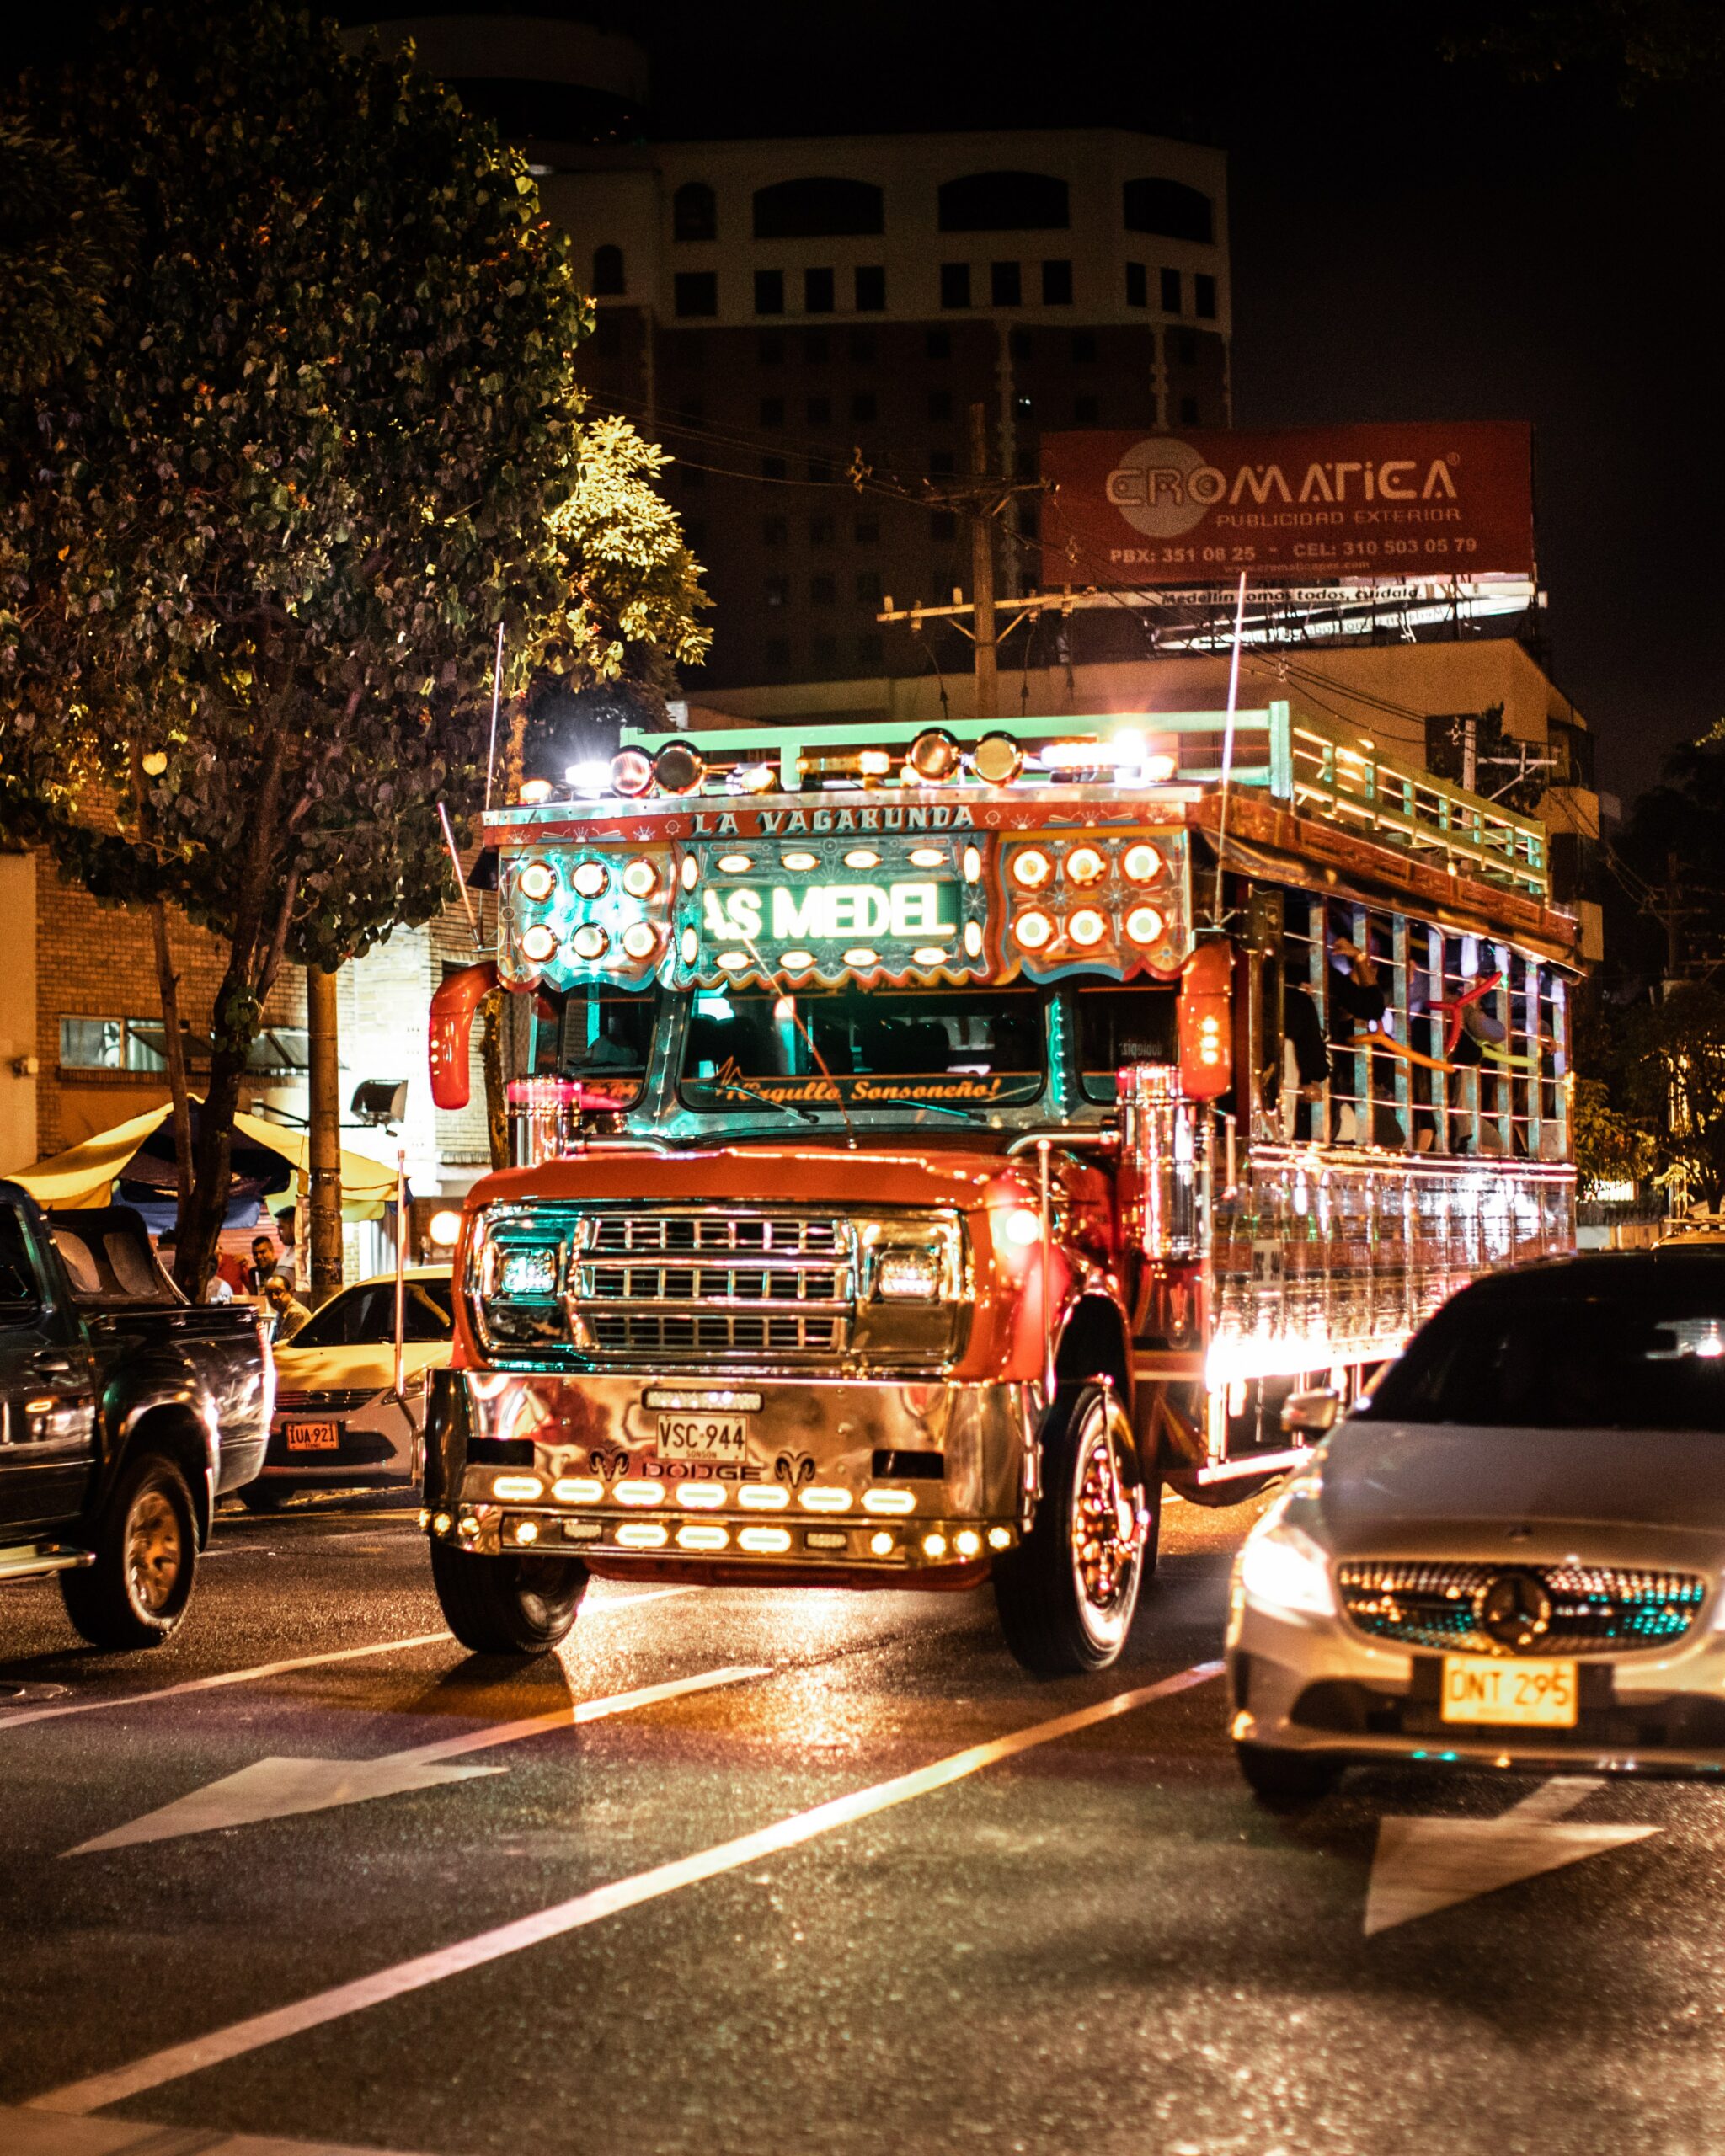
(770, 348)
(778, 651)
(1189, 411)
(1083, 347)
(1004, 202)
(818, 209)
(1004, 286)
(937, 343)
(608, 271)
(1171, 291)
(869, 587)
(866, 532)
(862, 347)
(818, 411)
(955, 283)
(817, 347)
(139, 1044)
(1084, 411)
(774, 467)
(870, 285)
(817, 292)
(92, 1044)
(1022, 344)
(695, 291)
(1204, 295)
(774, 531)
(769, 292)
(822, 591)
(772, 411)
(1168, 208)
(1137, 285)
(821, 531)
(943, 525)
(779, 591)
(863, 406)
(694, 212)
(1057, 284)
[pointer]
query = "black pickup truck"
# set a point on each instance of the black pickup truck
(124, 1412)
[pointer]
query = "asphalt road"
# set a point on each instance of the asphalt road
(801, 1896)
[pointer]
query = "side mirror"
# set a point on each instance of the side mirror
(1309, 1414)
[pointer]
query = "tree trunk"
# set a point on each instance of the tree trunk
(174, 1053)
(324, 1153)
(195, 1251)
(491, 1061)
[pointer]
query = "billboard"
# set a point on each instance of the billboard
(1303, 503)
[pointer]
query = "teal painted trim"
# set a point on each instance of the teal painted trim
(1281, 751)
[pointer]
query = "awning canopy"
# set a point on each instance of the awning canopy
(85, 1175)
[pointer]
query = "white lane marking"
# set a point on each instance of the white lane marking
(77, 2098)
(1423, 1864)
(39, 2133)
(279, 1788)
(262, 1669)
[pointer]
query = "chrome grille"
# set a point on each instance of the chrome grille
(698, 1284)
(1595, 1609)
(338, 1400)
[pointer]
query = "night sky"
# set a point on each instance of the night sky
(1413, 237)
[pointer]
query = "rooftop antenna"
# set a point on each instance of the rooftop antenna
(491, 753)
(461, 881)
(1228, 746)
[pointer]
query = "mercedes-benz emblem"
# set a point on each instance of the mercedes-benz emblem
(1514, 1608)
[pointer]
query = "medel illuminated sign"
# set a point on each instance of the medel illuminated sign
(805, 913)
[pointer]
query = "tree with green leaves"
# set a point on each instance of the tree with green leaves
(254, 561)
(1674, 1088)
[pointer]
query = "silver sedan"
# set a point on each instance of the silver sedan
(1511, 1553)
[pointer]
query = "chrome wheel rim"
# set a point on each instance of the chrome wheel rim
(1107, 1538)
(154, 1552)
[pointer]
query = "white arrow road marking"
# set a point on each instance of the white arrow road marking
(77, 2098)
(609, 1606)
(37, 2133)
(1425, 1865)
(278, 1788)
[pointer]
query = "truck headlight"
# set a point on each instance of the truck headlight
(908, 1276)
(528, 1271)
(1282, 1571)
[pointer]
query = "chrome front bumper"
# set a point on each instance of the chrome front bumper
(1318, 1686)
(839, 1475)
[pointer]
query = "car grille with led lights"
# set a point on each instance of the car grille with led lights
(1595, 1609)
(341, 1400)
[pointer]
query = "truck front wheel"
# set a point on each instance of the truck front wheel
(507, 1604)
(1066, 1595)
(145, 1549)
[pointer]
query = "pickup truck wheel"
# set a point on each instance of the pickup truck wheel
(1067, 1593)
(146, 1551)
(507, 1604)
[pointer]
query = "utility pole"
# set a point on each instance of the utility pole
(982, 571)
(324, 1147)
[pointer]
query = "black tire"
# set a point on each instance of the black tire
(1065, 1600)
(146, 1556)
(507, 1604)
(1287, 1781)
(262, 1497)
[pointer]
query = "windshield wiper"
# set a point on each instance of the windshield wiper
(937, 1108)
(766, 1100)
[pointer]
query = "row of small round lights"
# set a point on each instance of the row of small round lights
(1084, 865)
(590, 942)
(1085, 927)
(588, 879)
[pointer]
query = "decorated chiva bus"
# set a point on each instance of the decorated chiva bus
(930, 1145)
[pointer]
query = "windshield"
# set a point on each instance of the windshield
(1606, 1360)
(965, 1049)
(599, 1035)
(365, 1317)
(1120, 1024)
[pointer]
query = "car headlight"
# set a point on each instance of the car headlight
(1282, 1571)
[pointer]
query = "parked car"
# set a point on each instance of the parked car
(338, 1421)
(1704, 1233)
(1512, 1553)
(127, 1411)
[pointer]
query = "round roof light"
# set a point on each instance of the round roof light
(1086, 865)
(534, 791)
(590, 941)
(752, 778)
(1144, 925)
(591, 879)
(1031, 868)
(640, 939)
(1035, 930)
(677, 769)
(640, 879)
(538, 943)
(996, 759)
(444, 1228)
(933, 757)
(538, 881)
(630, 772)
(1086, 927)
(1141, 863)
